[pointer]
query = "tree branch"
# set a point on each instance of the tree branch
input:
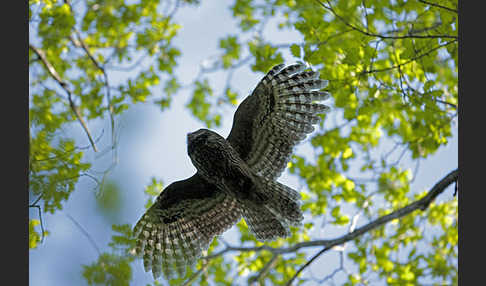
(83, 45)
(270, 264)
(438, 6)
(421, 204)
(410, 36)
(88, 236)
(34, 205)
(410, 60)
(193, 277)
(52, 71)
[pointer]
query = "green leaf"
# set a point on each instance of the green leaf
(295, 50)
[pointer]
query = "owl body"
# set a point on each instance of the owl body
(236, 177)
(219, 164)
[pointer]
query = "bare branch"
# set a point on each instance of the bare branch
(36, 201)
(336, 271)
(88, 236)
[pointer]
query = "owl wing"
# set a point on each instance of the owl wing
(181, 223)
(278, 114)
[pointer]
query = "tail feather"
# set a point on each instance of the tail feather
(274, 208)
(284, 202)
(262, 223)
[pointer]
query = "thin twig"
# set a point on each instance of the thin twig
(40, 218)
(363, 4)
(88, 236)
(328, 244)
(191, 279)
(447, 103)
(439, 6)
(52, 71)
(270, 264)
(336, 271)
(421, 204)
(37, 200)
(409, 36)
(410, 60)
(103, 71)
(68, 152)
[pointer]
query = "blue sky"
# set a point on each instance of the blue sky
(153, 144)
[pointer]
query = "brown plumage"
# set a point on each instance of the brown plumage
(236, 176)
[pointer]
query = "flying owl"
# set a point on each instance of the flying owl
(236, 176)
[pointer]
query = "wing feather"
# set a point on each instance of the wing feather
(280, 113)
(182, 222)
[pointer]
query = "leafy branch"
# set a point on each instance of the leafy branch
(411, 60)
(367, 33)
(438, 6)
(328, 244)
(52, 71)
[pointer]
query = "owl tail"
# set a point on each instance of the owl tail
(272, 210)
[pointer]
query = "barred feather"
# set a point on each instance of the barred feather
(170, 248)
(263, 224)
(279, 211)
(303, 97)
(286, 73)
(287, 121)
(188, 214)
(287, 110)
(301, 86)
(265, 82)
(303, 108)
(283, 201)
(296, 80)
(294, 132)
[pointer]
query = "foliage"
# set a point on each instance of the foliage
(392, 71)
(153, 190)
(200, 106)
(109, 200)
(74, 51)
(34, 236)
(113, 268)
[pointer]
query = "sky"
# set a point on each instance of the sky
(153, 144)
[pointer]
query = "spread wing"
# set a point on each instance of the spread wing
(181, 223)
(278, 114)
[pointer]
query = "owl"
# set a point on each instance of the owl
(236, 177)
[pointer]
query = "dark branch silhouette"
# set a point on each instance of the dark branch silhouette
(328, 244)
(421, 204)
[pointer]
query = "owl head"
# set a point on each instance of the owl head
(201, 138)
(197, 136)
